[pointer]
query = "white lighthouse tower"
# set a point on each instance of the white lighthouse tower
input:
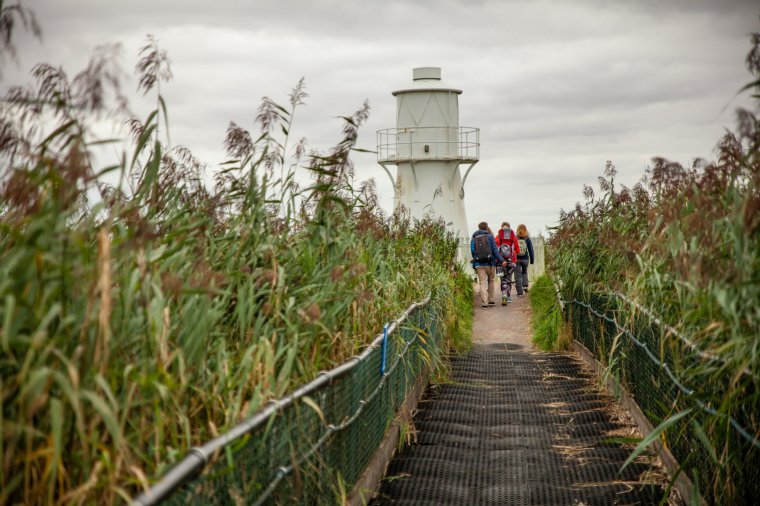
(428, 146)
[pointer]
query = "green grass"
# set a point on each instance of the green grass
(546, 317)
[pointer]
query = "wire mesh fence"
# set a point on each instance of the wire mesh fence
(311, 446)
(716, 445)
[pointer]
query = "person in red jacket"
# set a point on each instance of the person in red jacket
(507, 236)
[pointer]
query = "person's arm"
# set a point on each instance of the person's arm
(515, 245)
(472, 248)
(530, 250)
(495, 250)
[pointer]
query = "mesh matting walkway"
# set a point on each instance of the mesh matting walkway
(515, 427)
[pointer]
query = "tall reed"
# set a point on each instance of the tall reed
(684, 243)
(143, 318)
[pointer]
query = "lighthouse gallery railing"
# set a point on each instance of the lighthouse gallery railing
(428, 143)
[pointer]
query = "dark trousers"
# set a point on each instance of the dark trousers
(522, 271)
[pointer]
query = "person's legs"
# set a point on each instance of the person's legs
(519, 278)
(524, 266)
(483, 283)
(491, 283)
(506, 283)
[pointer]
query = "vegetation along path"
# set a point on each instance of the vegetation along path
(518, 426)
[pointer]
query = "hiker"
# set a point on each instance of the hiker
(507, 237)
(525, 256)
(485, 257)
(506, 272)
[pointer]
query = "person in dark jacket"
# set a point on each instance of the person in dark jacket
(486, 270)
(524, 256)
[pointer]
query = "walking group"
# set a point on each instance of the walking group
(506, 255)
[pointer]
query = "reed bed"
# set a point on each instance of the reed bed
(683, 247)
(142, 318)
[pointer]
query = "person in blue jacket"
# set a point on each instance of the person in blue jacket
(485, 263)
(524, 257)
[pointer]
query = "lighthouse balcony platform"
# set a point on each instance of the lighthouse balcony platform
(428, 143)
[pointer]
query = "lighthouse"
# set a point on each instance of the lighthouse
(429, 150)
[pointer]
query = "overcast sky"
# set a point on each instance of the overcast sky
(556, 87)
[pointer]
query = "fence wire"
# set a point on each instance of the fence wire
(718, 447)
(312, 446)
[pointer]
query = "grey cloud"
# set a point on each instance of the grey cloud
(557, 88)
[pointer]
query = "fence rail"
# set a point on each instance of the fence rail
(303, 446)
(538, 267)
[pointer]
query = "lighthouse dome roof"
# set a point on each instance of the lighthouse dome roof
(426, 79)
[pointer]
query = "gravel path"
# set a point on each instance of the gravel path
(503, 324)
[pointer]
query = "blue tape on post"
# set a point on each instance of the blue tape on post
(384, 350)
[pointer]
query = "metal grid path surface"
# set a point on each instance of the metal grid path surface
(514, 427)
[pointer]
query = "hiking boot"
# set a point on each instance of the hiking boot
(509, 299)
(504, 300)
(491, 303)
(484, 306)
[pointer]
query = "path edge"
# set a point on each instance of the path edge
(682, 483)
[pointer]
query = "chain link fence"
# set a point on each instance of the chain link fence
(716, 445)
(311, 446)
